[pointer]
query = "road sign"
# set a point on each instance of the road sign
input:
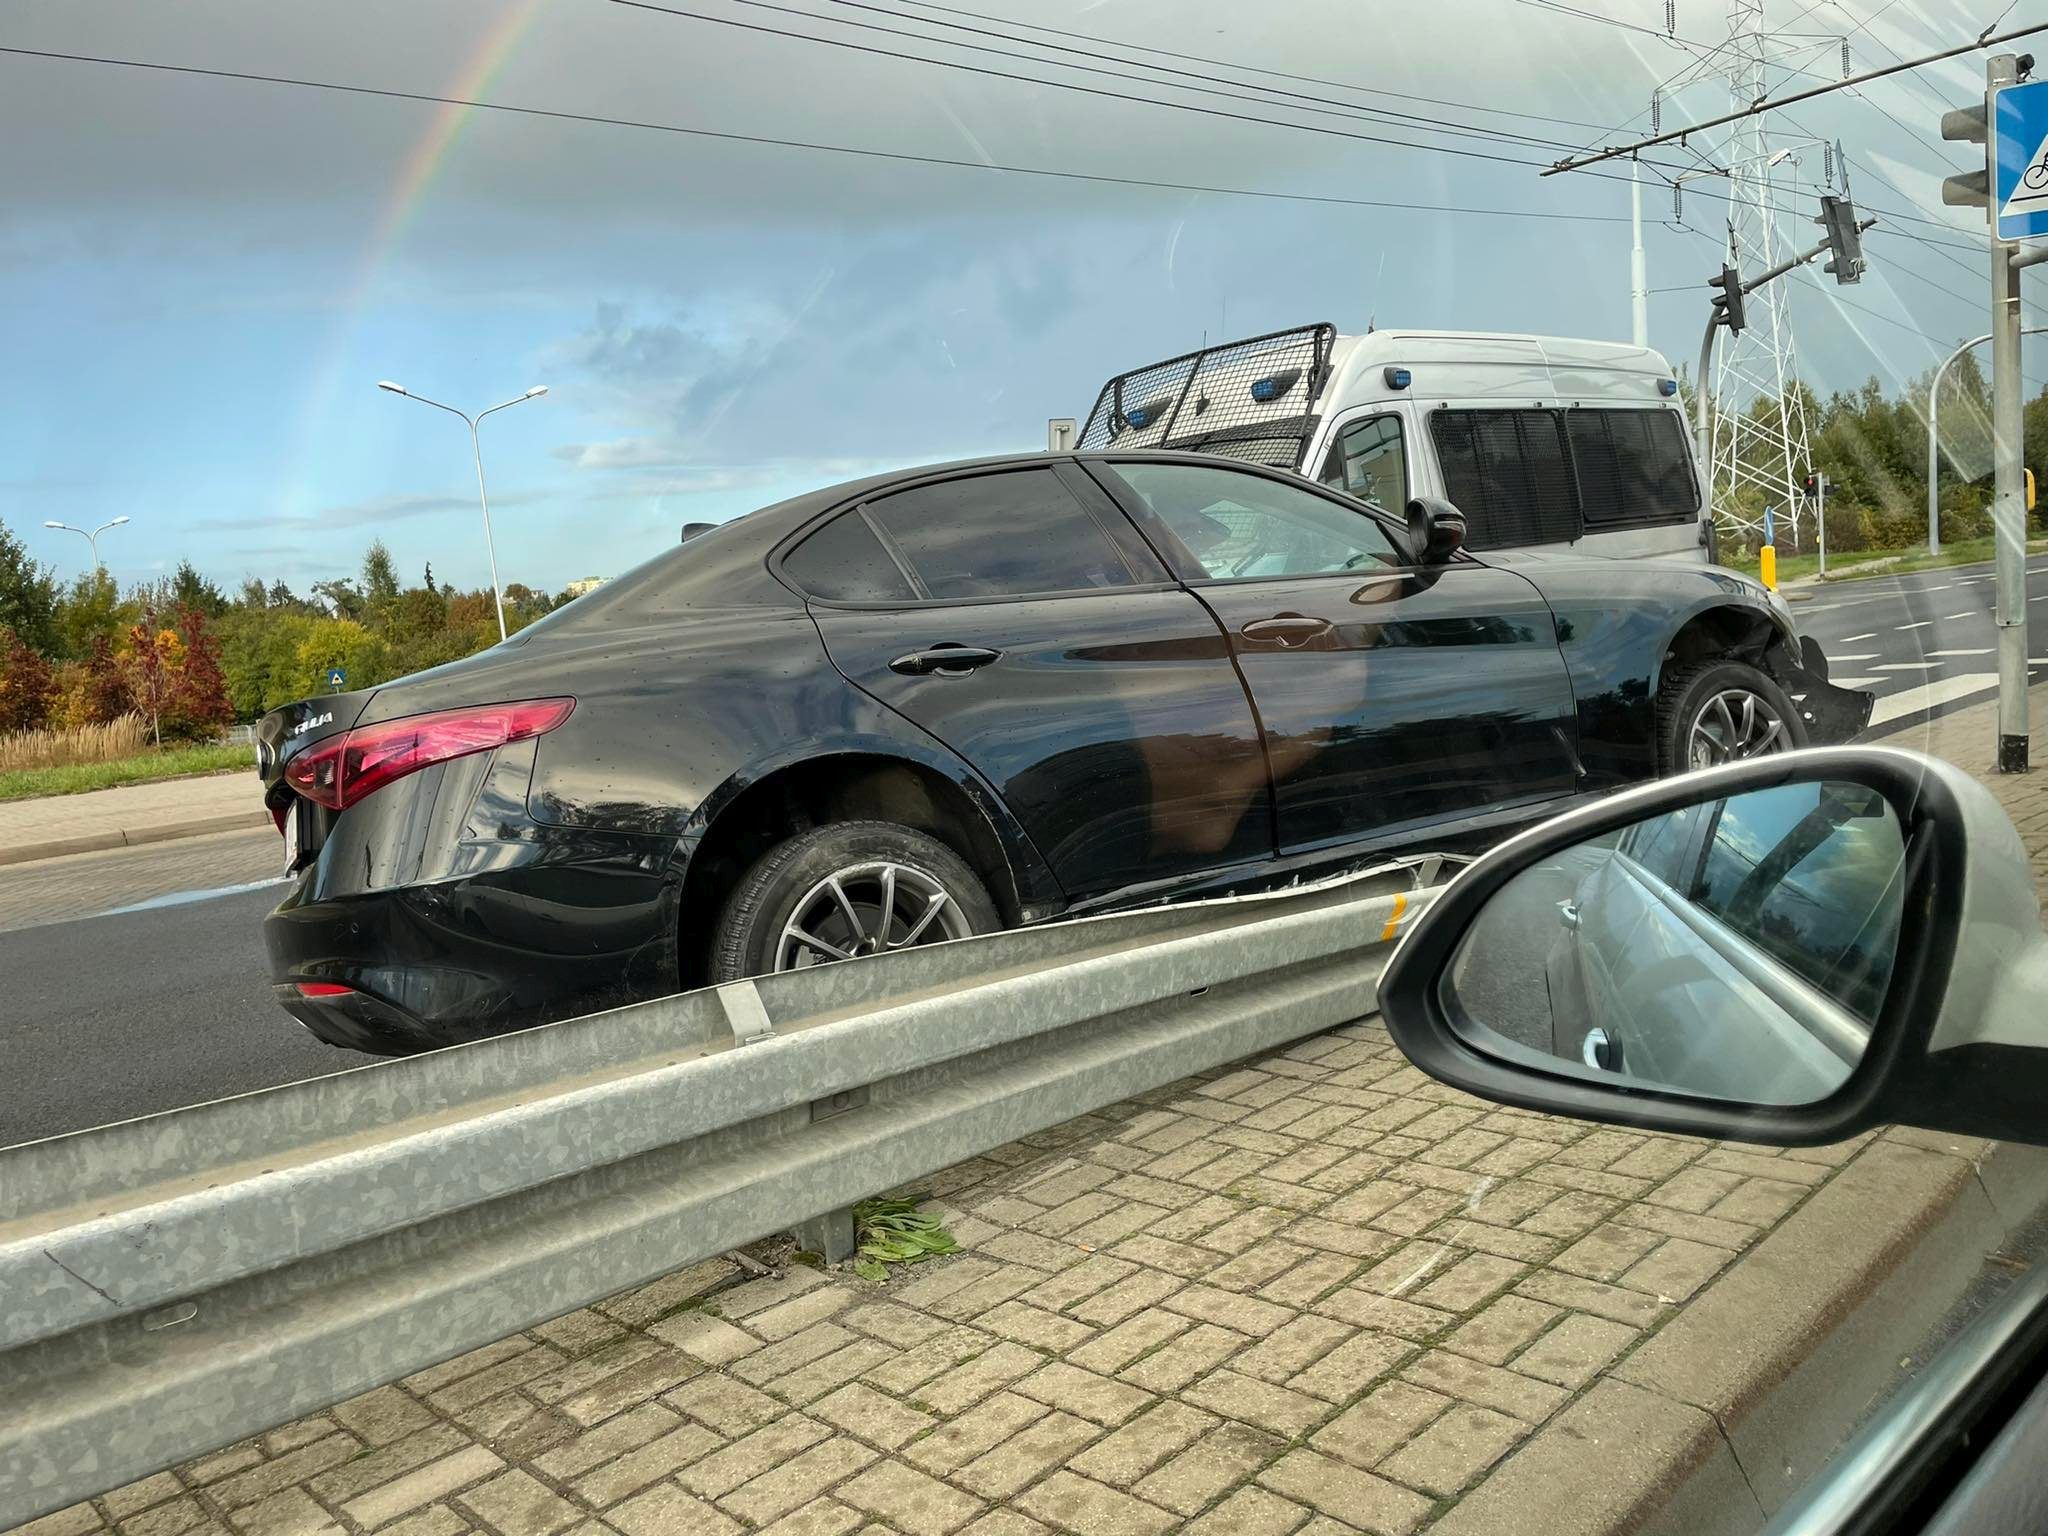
(336, 678)
(2020, 186)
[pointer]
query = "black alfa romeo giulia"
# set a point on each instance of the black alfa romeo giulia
(959, 698)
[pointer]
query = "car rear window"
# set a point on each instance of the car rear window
(999, 536)
(844, 562)
(1633, 467)
(1510, 474)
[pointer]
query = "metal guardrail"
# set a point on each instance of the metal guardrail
(173, 1284)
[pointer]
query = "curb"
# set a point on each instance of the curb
(157, 832)
(1721, 1416)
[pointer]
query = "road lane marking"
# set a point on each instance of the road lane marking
(1942, 588)
(185, 898)
(1920, 624)
(1851, 640)
(1986, 651)
(1864, 656)
(1907, 666)
(1932, 695)
(1860, 682)
(1967, 613)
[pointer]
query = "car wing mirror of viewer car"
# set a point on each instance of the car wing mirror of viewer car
(1436, 530)
(1786, 950)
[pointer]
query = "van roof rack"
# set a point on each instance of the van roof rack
(1252, 399)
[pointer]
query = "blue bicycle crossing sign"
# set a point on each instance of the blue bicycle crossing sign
(2019, 188)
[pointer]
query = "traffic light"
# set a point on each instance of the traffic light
(1972, 189)
(1845, 241)
(1810, 487)
(1729, 300)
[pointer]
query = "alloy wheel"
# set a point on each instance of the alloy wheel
(1732, 725)
(868, 909)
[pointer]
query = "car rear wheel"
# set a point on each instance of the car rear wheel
(1722, 712)
(843, 891)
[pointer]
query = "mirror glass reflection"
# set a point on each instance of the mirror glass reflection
(1736, 949)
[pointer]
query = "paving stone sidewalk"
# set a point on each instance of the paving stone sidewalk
(137, 812)
(1314, 1293)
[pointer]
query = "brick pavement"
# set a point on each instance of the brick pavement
(147, 812)
(1313, 1293)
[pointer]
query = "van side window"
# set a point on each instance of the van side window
(1633, 467)
(1510, 474)
(1367, 460)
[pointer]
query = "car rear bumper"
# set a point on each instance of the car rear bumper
(450, 915)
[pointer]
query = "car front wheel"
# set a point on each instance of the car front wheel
(1722, 712)
(843, 891)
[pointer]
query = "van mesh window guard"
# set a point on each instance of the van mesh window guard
(1252, 399)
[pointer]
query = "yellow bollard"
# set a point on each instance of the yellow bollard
(1767, 560)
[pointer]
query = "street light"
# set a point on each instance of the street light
(476, 447)
(92, 538)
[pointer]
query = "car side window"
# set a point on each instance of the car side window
(1662, 845)
(845, 562)
(1001, 535)
(1367, 459)
(1632, 466)
(1510, 473)
(1813, 884)
(1239, 526)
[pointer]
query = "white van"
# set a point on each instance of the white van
(1542, 442)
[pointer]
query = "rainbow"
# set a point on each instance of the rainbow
(429, 155)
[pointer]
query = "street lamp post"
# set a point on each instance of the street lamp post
(1933, 435)
(476, 448)
(93, 538)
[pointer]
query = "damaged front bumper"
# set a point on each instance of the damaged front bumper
(1832, 715)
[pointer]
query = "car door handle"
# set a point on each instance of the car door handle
(945, 661)
(1568, 914)
(1286, 629)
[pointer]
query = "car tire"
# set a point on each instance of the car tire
(790, 887)
(1720, 711)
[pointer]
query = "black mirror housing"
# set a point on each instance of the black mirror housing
(1959, 1042)
(1436, 530)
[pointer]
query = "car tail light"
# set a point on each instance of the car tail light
(339, 772)
(317, 989)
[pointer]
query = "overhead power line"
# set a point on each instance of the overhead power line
(1074, 86)
(1299, 101)
(810, 146)
(1242, 68)
(1767, 103)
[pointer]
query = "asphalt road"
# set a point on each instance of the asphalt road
(1925, 644)
(106, 1017)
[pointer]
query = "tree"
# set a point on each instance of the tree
(280, 596)
(92, 608)
(191, 590)
(28, 596)
(152, 653)
(27, 686)
(253, 594)
(105, 696)
(380, 577)
(430, 576)
(339, 594)
(197, 708)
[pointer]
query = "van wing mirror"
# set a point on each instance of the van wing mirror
(1436, 530)
(1786, 950)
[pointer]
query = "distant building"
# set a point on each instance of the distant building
(587, 584)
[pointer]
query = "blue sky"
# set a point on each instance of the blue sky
(202, 280)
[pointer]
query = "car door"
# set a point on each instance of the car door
(1016, 615)
(1391, 696)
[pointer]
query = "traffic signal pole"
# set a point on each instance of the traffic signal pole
(2009, 506)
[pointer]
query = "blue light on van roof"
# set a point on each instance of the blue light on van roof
(1398, 378)
(1667, 387)
(1141, 417)
(1265, 389)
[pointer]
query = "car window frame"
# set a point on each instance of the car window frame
(1349, 424)
(1132, 549)
(1192, 573)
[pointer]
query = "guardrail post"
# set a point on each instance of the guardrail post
(830, 1236)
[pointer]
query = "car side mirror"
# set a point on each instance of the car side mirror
(1436, 530)
(1786, 950)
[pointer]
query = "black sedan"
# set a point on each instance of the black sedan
(959, 698)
